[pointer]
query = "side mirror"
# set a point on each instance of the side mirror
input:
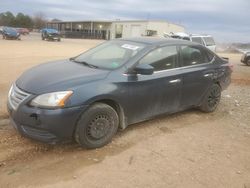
(144, 69)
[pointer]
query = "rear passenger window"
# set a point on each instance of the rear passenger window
(198, 40)
(161, 58)
(192, 55)
(210, 56)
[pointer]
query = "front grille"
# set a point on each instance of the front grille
(17, 96)
(54, 35)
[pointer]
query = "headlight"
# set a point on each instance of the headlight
(51, 100)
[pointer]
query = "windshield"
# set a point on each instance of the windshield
(111, 54)
(209, 41)
(50, 30)
(10, 30)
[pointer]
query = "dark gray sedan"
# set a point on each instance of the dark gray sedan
(118, 83)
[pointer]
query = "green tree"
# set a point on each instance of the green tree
(7, 19)
(22, 20)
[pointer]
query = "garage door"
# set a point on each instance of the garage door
(135, 31)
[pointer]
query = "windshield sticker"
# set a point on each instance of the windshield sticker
(130, 47)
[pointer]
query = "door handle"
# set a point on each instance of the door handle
(208, 75)
(175, 81)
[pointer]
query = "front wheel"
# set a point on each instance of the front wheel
(97, 125)
(211, 99)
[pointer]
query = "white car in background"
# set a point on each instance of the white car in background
(205, 40)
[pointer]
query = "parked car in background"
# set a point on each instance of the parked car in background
(205, 40)
(246, 58)
(118, 83)
(50, 34)
(23, 31)
(1, 30)
(10, 33)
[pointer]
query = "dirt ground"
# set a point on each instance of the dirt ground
(187, 149)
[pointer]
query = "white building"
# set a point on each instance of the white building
(114, 29)
(143, 28)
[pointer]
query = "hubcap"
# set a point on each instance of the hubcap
(99, 127)
(214, 97)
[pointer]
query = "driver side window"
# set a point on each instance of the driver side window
(162, 58)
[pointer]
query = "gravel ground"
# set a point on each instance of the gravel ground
(187, 149)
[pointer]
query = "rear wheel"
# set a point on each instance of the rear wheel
(211, 99)
(248, 62)
(97, 125)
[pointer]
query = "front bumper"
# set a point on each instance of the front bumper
(12, 37)
(53, 37)
(49, 126)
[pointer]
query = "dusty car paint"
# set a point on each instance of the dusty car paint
(136, 97)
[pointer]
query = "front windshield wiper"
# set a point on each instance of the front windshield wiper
(84, 63)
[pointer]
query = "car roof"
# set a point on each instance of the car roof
(156, 40)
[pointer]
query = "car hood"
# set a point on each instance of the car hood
(58, 76)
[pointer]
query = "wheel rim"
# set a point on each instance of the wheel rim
(214, 97)
(99, 127)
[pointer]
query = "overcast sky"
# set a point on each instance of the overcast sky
(226, 20)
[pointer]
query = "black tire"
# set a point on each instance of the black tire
(211, 99)
(96, 126)
(248, 62)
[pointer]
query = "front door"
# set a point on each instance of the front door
(151, 95)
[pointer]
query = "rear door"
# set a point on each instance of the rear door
(197, 74)
(151, 95)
